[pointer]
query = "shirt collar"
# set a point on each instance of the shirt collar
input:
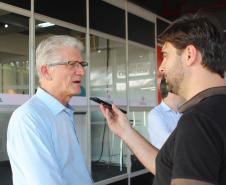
(165, 106)
(52, 103)
(201, 96)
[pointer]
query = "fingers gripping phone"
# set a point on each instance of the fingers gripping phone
(98, 100)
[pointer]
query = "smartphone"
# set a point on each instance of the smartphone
(98, 100)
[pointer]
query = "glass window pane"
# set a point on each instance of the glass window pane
(108, 152)
(108, 80)
(139, 119)
(65, 10)
(141, 30)
(107, 72)
(22, 3)
(142, 79)
(161, 25)
(14, 43)
(100, 19)
(142, 90)
(46, 29)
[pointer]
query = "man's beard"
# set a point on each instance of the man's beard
(174, 86)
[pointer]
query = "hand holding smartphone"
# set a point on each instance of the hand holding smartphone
(98, 100)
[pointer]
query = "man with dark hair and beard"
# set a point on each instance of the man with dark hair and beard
(194, 66)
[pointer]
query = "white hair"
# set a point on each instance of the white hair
(47, 51)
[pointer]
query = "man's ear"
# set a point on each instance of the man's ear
(45, 71)
(190, 54)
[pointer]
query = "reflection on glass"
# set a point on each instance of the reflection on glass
(139, 121)
(142, 88)
(108, 151)
(46, 29)
(107, 66)
(14, 39)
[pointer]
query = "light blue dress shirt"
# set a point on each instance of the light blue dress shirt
(42, 144)
(162, 120)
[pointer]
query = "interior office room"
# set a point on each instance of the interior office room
(120, 44)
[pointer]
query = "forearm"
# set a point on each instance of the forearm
(144, 151)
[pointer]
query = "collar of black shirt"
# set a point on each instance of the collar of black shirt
(202, 95)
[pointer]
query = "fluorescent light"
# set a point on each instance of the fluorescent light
(148, 88)
(45, 24)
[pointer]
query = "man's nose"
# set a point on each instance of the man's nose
(161, 69)
(80, 71)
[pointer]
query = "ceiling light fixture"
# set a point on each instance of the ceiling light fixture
(45, 24)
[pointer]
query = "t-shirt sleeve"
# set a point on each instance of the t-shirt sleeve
(197, 149)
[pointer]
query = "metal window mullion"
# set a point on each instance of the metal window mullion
(32, 51)
(88, 122)
(127, 88)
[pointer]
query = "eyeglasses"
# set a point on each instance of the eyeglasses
(71, 64)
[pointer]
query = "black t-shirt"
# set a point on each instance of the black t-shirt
(197, 147)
